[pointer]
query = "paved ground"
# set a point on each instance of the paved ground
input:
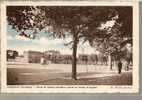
(53, 74)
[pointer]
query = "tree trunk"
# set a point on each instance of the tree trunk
(74, 60)
(110, 62)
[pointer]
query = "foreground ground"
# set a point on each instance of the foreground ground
(60, 74)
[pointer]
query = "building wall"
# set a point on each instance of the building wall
(11, 55)
(32, 56)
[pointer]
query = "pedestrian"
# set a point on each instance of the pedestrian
(119, 66)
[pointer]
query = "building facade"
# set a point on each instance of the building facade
(11, 55)
(32, 56)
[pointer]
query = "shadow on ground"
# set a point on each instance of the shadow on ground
(85, 78)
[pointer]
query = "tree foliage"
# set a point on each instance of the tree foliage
(113, 40)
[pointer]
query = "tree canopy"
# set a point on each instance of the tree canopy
(83, 19)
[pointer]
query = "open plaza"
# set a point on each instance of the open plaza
(60, 74)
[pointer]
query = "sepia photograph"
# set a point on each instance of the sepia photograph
(69, 45)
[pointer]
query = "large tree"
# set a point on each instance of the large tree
(114, 40)
(79, 22)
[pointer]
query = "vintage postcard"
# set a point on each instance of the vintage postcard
(69, 47)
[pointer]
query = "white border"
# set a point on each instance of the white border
(100, 88)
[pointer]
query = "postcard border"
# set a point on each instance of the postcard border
(100, 88)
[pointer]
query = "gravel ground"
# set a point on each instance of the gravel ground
(123, 79)
(34, 74)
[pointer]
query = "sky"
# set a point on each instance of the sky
(43, 43)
